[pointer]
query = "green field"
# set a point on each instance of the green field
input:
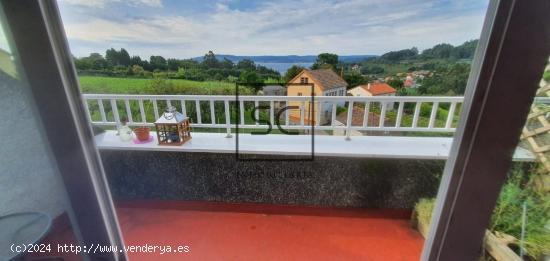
(112, 85)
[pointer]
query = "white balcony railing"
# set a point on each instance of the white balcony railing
(379, 113)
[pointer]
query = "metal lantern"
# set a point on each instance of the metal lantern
(172, 128)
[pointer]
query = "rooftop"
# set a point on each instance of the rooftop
(378, 88)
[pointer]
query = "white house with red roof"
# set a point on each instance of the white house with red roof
(374, 89)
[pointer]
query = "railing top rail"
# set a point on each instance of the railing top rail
(275, 98)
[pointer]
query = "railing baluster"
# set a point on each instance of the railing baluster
(87, 109)
(168, 103)
(212, 112)
(333, 117)
(450, 116)
(257, 112)
(382, 114)
(155, 108)
(241, 111)
(198, 109)
(227, 118)
(128, 111)
(271, 112)
(142, 111)
(399, 115)
(433, 114)
(183, 108)
(366, 114)
(115, 112)
(102, 110)
(318, 112)
(349, 120)
(287, 115)
(416, 114)
(302, 113)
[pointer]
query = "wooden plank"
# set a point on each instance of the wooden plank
(498, 250)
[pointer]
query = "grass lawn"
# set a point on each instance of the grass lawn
(112, 85)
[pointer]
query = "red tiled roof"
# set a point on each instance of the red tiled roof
(378, 88)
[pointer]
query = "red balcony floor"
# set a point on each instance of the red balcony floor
(242, 232)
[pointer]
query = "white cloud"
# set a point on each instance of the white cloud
(103, 3)
(282, 27)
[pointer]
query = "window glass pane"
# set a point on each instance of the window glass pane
(390, 78)
(34, 212)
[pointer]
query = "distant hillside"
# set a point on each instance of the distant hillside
(288, 58)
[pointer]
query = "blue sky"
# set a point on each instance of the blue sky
(190, 28)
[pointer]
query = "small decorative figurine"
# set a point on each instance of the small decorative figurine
(172, 128)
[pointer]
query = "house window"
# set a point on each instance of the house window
(303, 80)
(299, 94)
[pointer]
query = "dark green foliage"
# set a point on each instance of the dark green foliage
(292, 72)
(354, 78)
(115, 57)
(120, 64)
(448, 80)
(508, 211)
(509, 208)
(326, 61)
(372, 69)
(395, 83)
(395, 56)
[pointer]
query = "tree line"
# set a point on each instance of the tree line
(119, 63)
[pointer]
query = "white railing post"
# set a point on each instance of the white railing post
(115, 112)
(450, 116)
(212, 112)
(227, 119)
(128, 111)
(241, 111)
(366, 115)
(183, 108)
(102, 111)
(333, 115)
(271, 113)
(382, 118)
(198, 109)
(416, 114)
(155, 108)
(142, 111)
(349, 120)
(399, 115)
(433, 114)
(257, 112)
(302, 113)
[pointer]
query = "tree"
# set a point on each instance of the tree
(210, 60)
(354, 79)
(374, 69)
(441, 51)
(246, 64)
(157, 62)
(93, 62)
(226, 64)
(115, 57)
(395, 83)
(292, 72)
(396, 56)
(449, 80)
(326, 60)
(173, 64)
(136, 60)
